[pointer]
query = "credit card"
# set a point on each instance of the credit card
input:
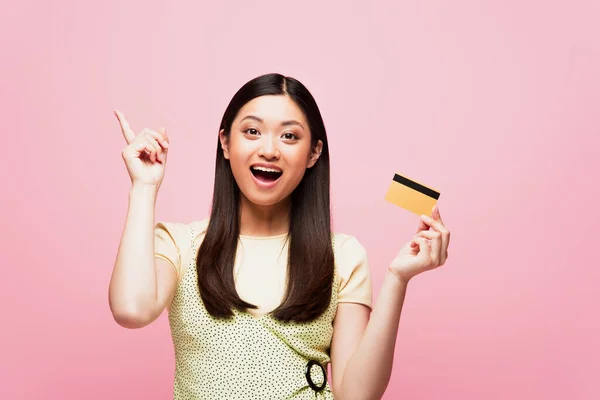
(411, 195)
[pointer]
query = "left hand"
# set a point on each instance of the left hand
(427, 250)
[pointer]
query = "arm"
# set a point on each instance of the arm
(141, 286)
(361, 344)
(356, 349)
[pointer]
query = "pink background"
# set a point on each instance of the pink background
(493, 103)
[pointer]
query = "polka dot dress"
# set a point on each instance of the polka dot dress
(246, 357)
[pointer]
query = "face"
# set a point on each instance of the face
(269, 149)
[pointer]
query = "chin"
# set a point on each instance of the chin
(264, 200)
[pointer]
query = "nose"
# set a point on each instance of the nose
(269, 147)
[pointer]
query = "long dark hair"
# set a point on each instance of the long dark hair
(310, 263)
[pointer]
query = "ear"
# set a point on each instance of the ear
(314, 155)
(224, 143)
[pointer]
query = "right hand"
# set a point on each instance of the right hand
(145, 154)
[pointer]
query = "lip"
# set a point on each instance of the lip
(265, 165)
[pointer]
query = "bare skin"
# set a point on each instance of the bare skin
(142, 287)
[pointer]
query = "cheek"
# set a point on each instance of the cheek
(237, 163)
(297, 163)
(239, 168)
(238, 152)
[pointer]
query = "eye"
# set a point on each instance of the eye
(251, 131)
(289, 136)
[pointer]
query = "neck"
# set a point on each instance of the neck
(259, 220)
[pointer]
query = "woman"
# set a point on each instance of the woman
(261, 295)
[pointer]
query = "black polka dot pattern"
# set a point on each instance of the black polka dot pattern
(245, 357)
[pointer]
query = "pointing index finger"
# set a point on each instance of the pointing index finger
(127, 132)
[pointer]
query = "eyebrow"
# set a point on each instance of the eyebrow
(284, 123)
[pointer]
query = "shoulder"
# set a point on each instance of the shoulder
(348, 248)
(183, 230)
(173, 241)
(180, 232)
(353, 270)
(179, 236)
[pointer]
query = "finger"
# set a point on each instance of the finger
(422, 226)
(154, 138)
(154, 148)
(142, 148)
(424, 248)
(433, 223)
(437, 244)
(163, 131)
(435, 214)
(421, 239)
(445, 233)
(429, 234)
(158, 137)
(145, 147)
(161, 151)
(125, 128)
(445, 244)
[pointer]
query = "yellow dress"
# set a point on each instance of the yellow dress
(250, 357)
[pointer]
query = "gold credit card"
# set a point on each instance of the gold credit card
(412, 196)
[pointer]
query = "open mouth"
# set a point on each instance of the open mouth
(266, 175)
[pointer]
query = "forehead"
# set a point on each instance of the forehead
(272, 109)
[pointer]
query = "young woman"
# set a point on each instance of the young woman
(262, 295)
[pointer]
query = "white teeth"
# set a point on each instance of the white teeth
(266, 169)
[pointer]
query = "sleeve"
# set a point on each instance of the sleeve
(355, 276)
(167, 243)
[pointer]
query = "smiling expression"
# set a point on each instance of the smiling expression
(269, 148)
